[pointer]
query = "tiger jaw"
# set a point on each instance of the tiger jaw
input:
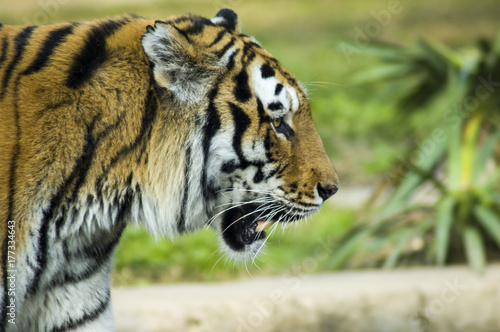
(242, 229)
(239, 227)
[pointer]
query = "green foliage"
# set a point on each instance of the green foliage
(458, 174)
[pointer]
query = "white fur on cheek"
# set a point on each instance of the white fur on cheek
(294, 97)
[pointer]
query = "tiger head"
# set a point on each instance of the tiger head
(262, 160)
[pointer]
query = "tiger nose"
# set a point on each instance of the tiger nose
(326, 190)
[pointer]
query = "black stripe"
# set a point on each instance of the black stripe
(266, 71)
(93, 54)
(59, 222)
(276, 106)
(218, 38)
(89, 151)
(278, 89)
(267, 146)
(54, 39)
(181, 223)
(229, 166)
(82, 168)
(242, 89)
(184, 34)
(277, 171)
(3, 51)
(91, 270)
(197, 26)
(241, 123)
(254, 44)
(211, 127)
(248, 53)
(83, 165)
(50, 107)
(100, 252)
(259, 175)
(86, 318)
(20, 43)
(230, 62)
(126, 201)
(79, 170)
(41, 254)
(180, 19)
(149, 115)
(223, 51)
(250, 57)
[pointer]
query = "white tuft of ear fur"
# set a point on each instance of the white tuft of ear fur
(175, 63)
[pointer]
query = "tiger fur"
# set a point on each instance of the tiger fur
(175, 124)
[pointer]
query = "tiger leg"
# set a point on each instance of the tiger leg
(67, 287)
(75, 305)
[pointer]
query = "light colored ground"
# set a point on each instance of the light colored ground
(414, 300)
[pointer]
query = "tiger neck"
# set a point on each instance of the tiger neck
(172, 197)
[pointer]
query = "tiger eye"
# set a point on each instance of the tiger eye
(277, 122)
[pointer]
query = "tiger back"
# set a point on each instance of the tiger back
(174, 124)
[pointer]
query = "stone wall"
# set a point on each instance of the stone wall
(413, 300)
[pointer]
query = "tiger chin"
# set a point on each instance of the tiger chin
(175, 124)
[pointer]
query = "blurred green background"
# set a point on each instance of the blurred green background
(382, 77)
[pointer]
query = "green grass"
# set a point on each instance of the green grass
(196, 257)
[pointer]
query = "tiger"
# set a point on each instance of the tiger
(175, 124)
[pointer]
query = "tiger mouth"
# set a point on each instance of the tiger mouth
(244, 226)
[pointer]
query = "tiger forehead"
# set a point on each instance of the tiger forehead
(274, 86)
(275, 91)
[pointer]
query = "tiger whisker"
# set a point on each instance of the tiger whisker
(213, 267)
(209, 222)
(262, 207)
(273, 229)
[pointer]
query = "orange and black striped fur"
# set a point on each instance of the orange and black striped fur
(175, 124)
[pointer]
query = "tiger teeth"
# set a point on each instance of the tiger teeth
(263, 225)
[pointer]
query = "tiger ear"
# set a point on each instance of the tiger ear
(227, 19)
(177, 64)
